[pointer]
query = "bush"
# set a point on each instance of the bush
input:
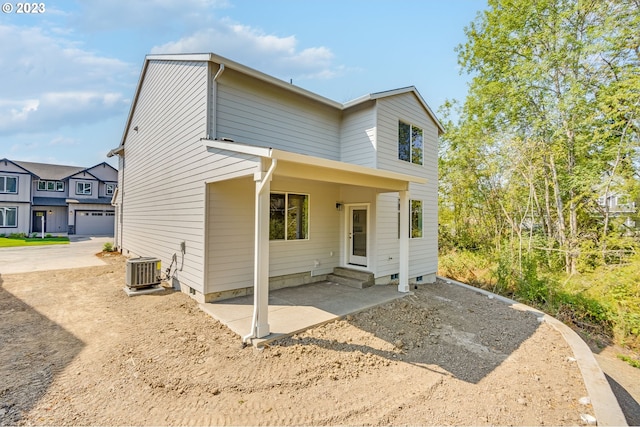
(107, 247)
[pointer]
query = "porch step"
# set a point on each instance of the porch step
(353, 278)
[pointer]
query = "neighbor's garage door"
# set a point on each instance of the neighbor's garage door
(95, 223)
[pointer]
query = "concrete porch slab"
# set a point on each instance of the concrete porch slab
(293, 310)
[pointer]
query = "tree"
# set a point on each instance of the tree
(552, 109)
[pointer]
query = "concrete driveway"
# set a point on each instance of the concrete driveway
(79, 253)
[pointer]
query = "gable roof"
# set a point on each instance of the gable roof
(6, 161)
(394, 92)
(227, 63)
(48, 171)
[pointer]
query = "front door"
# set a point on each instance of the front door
(358, 235)
(36, 225)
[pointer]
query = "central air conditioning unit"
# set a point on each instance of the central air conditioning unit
(143, 272)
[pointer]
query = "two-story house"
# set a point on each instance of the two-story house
(62, 199)
(244, 182)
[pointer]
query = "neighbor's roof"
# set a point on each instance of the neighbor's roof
(227, 63)
(48, 171)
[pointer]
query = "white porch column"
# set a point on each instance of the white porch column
(261, 255)
(403, 276)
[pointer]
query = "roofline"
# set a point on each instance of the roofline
(17, 165)
(91, 167)
(377, 95)
(228, 63)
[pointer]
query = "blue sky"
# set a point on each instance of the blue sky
(68, 75)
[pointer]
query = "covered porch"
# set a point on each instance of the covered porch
(293, 310)
(272, 169)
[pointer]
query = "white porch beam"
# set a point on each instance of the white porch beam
(403, 276)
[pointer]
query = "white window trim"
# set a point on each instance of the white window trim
(84, 192)
(410, 218)
(411, 126)
(286, 203)
(58, 186)
(4, 190)
(108, 187)
(4, 216)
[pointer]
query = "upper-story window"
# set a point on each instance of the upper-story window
(83, 187)
(50, 185)
(410, 143)
(109, 189)
(9, 184)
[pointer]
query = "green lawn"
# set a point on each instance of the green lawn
(8, 242)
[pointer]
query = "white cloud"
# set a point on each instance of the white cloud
(51, 82)
(267, 52)
(153, 15)
(55, 109)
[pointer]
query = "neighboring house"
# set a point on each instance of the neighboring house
(244, 182)
(615, 203)
(66, 199)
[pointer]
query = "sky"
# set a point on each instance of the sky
(68, 73)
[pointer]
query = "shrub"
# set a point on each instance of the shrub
(107, 247)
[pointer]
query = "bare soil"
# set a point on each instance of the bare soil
(75, 350)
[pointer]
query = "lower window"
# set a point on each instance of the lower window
(8, 217)
(416, 218)
(289, 216)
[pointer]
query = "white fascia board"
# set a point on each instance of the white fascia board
(272, 153)
(252, 150)
(343, 166)
(179, 57)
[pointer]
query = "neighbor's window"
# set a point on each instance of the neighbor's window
(416, 218)
(8, 217)
(410, 143)
(83, 188)
(9, 184)
(50, 186)
(110, 188)
(289, 216)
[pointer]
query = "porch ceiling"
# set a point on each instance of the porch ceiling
(302, 166)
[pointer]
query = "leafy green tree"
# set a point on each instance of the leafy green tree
(552, 113)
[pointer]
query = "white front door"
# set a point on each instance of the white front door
(358, 235)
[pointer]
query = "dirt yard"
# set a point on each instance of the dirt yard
(75, 350)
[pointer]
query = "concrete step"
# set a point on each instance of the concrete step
(353, 278)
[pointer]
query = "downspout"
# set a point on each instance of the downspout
(220, 71)
(213, 128)
(259, 190)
